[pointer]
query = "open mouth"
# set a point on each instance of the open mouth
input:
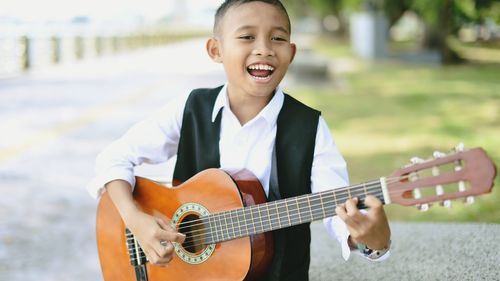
(260, 71)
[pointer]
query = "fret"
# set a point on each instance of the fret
(216, 229)
(304, 209)
(316, 206)
(246, 221)
(230, 217)
(264, 218)
(285, 202)
(331, 203)
(293, 209)
(207, 228)
(334, 193)
(357, 192)
(283, 214)
(226, 226)
(220, 219)
(364, 188)
(251, 210)
(269, 224)
(276, 216)
(236, 214)
(221, 226)
(322, 204)
(260, 218)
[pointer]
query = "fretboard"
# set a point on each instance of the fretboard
(283, 213)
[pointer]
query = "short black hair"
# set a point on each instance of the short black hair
(224, 7)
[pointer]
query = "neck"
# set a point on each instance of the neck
(246, 106)
(284, 213)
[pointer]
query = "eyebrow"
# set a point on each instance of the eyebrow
(280, 28)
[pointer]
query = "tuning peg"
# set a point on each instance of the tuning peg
(447, 203)
(416, 160)
(469, 200)
(423, 207)
(438, 154)
(459, 147)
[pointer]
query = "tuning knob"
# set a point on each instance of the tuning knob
(416, 160)
(438, 154)
(447, 203)
(469, 200)
(424, 207)
(459, 147)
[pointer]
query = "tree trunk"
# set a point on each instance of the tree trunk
(446, 28)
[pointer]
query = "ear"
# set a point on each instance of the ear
(294, 51)
(213, 49)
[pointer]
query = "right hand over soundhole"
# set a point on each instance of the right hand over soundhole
(155, 236)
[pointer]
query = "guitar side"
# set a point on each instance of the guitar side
(239, 259)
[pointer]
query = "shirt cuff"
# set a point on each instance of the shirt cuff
(338, 229)
(96, 186)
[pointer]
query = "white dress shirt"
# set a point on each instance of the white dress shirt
(155, 140)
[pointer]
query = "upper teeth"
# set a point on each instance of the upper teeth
(261, 67)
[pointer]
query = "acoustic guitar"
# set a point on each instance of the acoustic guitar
(228, 222)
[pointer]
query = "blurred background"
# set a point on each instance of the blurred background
(393, 79)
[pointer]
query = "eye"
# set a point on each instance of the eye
(246, 37)
(278, 38)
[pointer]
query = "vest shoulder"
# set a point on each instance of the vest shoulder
(297, 105)
(200, 92)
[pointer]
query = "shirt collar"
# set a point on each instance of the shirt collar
(269, 112)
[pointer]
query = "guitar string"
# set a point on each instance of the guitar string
(230, 229)
(366, 186)
(199, 239)
(369, 185)
(224, 215)
(225, 228)
(307, 198)
(219, 217)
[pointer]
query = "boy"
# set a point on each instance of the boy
(246, 124)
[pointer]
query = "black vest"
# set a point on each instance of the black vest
(295, 139)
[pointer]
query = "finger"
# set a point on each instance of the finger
(351, 206)
(373, 202)
(156, 259)
(164, 251)
(163, 224)
(341, 212)
(170, 233)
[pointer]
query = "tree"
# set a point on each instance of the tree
(442, 18)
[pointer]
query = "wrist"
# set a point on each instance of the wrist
(373, 253)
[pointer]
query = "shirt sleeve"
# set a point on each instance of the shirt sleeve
(153, 140)
(329, 171)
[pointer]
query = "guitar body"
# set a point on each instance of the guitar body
(239, 259)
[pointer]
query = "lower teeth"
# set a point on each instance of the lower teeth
(260, 78)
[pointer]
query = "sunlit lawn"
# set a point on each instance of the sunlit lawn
(384, 113)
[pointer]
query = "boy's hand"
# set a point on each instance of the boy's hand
(155, 236)
(372, 228)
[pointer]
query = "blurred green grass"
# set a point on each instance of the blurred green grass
(385, 112)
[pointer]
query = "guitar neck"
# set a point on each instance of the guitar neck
(284, 213)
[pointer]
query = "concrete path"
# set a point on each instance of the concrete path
(53, 122)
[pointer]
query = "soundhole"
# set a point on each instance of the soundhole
(193, 228)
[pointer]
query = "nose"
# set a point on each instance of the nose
(263, 48)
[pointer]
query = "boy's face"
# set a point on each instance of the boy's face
(253, 44)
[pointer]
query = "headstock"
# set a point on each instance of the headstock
(461, 174)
